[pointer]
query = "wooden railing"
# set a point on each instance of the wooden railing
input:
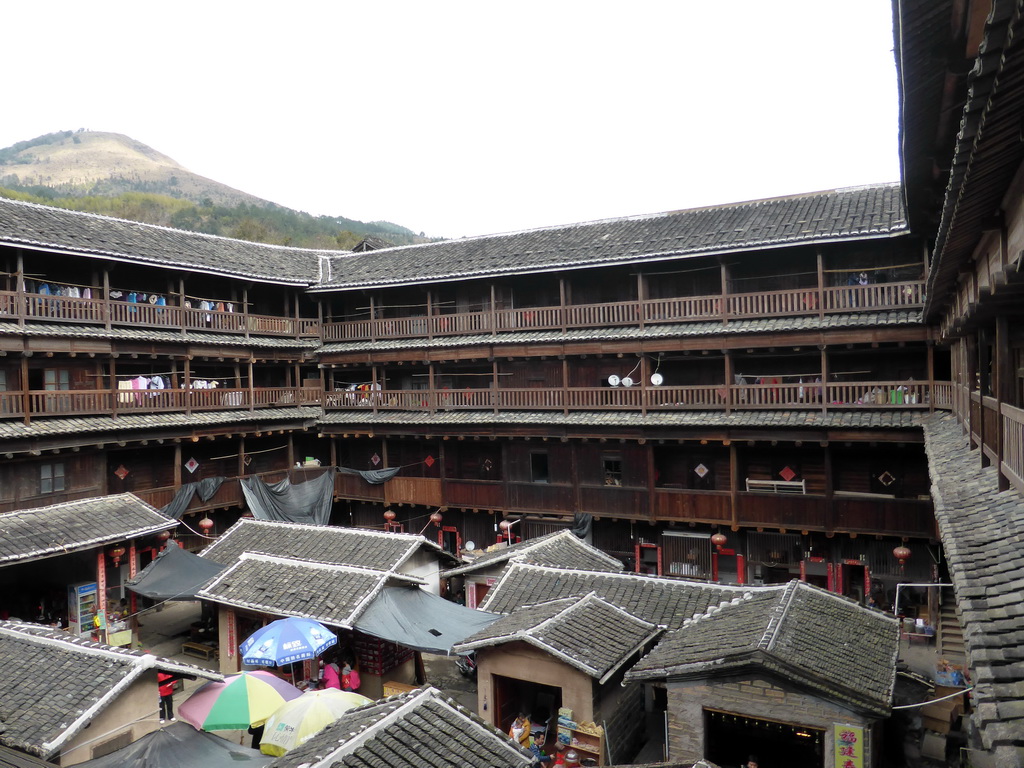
(116, 402)
(109, 312)
(808, 395)
(1012, 465)
(803, 301)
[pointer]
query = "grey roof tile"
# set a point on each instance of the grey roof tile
(86, 234)
(31, 534)
(666, 602)
(333, 594)
(560, 549)
(982, 531)
(413, 730)
(72, 331)
(802, 219)
(811, 636)
(50, 680)
(334, 545)
(58, 427)
(591, 634)
(862, 417)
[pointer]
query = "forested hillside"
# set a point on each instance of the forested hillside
(114, 175)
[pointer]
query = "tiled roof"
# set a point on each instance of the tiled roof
(591, 634)
(70, 331)
(59, 427)
(31, 534)
(832, 216)
(634, 333)
(666, 602)
(820, 640)
(358, 547)
(561, 549)
(858, 417)
(52, 685)
(333, 594)
(982, 531)
(86, 234)
(414, 730)
(983, 165)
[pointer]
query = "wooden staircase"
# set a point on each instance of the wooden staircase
(950, 635)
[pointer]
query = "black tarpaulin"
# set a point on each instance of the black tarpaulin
(417, 619)
(308, 502)
(179, 745)
(205, 488)
(373, 476)
(174, 575)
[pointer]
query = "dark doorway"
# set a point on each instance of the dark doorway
(732, 739)
(539, 702)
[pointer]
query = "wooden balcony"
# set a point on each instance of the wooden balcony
(716, 307)
(1012, 465)
(698, 506)
(119, 402)
(29, 307)
(717, 397)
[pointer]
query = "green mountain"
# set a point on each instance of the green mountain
(114, 175)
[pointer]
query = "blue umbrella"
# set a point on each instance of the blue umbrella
(286, 641)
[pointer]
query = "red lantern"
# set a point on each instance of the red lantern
(436, 518)
(163, 536)
(719, 540)
(206, 524)
(504, 525)
(117, 553)
(901, 553)
(389, 515)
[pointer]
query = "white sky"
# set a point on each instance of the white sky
(465, 118)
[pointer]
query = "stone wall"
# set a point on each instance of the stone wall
(760, 697)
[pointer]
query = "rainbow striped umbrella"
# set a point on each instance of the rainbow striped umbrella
(242, 700)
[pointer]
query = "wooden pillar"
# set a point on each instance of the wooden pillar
(373, 319)
(433, 400)
(22, 307)
(971, 355)
(734, 484)
(177, 465)
(115, 398)
(1003, 390)
(931, 377)
(494, 311)
(26, 401)
(245, 311)
(374, 397)
(181, 303)
(430, 315)
(252, 389)
(823, 389)
(641, 297)
(727, 360)
(563, 296)
(565, 386)
(652, 479)
(291, 450)
(724, 309)
(188, 384)
(829, 500)
(495, 394)
(241, 456)
(821, 284)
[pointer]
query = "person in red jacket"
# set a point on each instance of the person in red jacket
(166, 683)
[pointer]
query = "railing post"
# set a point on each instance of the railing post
(821, 285)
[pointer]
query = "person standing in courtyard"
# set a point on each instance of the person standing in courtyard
(166, 684)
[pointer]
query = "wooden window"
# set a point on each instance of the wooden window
(51, 477)
(539, 467)
(612, 469)
(56, 379)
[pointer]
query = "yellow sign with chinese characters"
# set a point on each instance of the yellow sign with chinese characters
(849, 740)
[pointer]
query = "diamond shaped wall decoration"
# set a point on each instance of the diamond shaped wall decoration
(375, 459)
(700, 470)
(886, 479)
(487, 465)
(787, 474)
(191, 465)
(429, 461)
(121, 472)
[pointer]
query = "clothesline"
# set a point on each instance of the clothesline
(875, 269)
(247, 453)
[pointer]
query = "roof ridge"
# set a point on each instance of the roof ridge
(771, 631)
(713, 610)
